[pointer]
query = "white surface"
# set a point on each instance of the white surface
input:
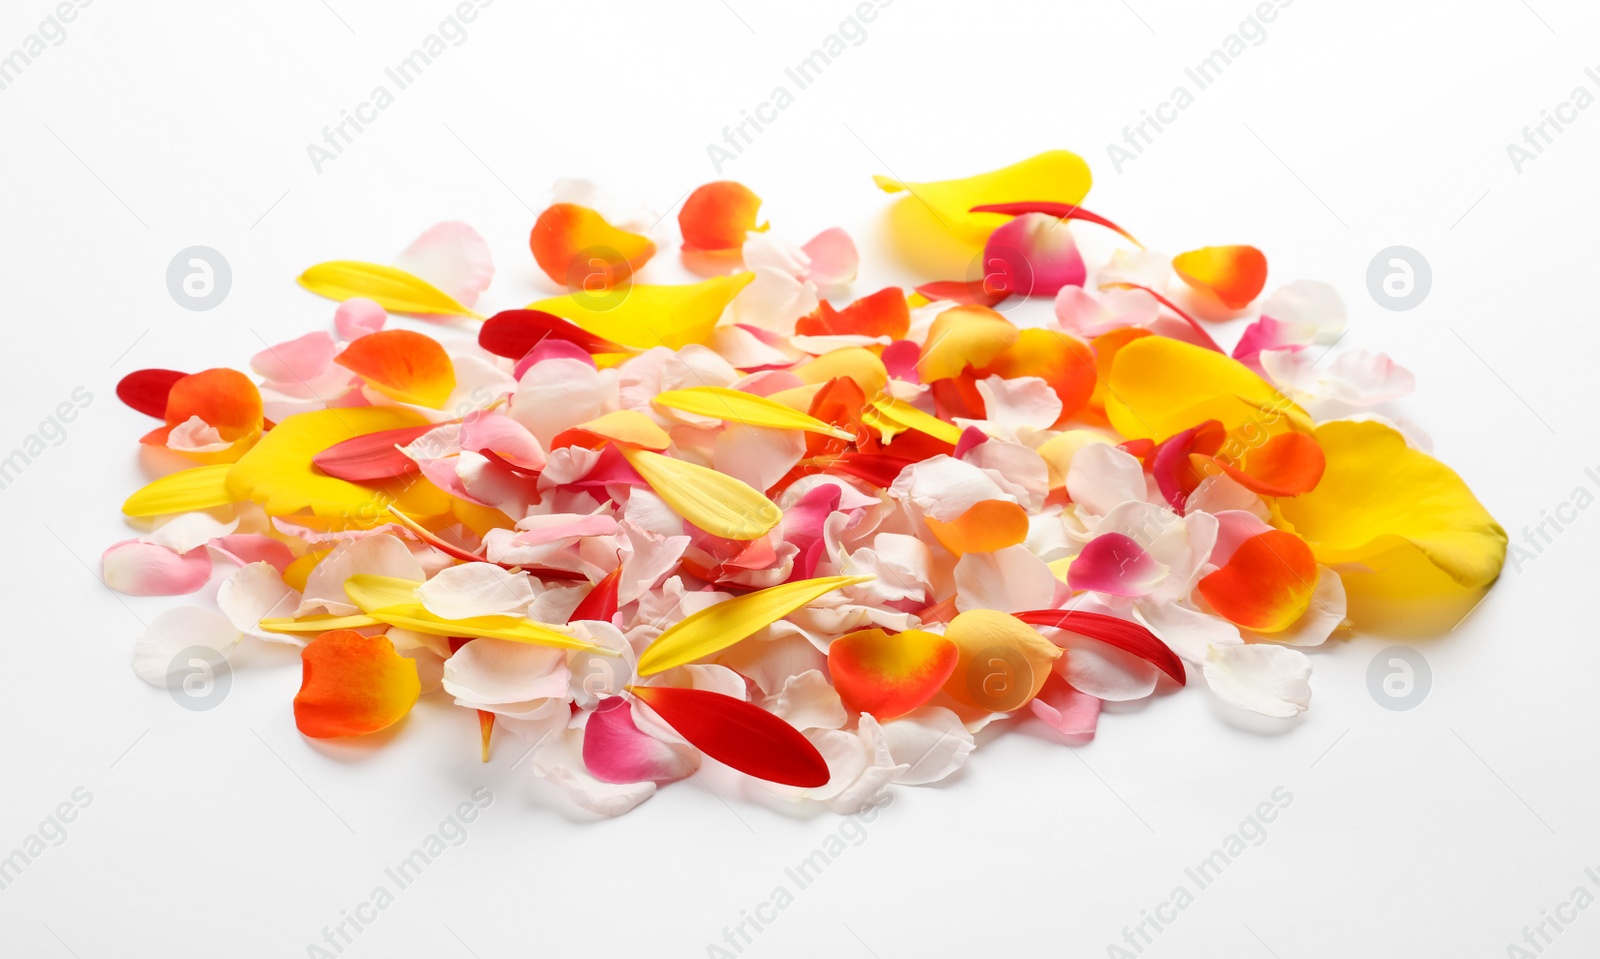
(1437, 832)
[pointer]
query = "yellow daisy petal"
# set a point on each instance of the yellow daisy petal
(715, 502)
(184, 491)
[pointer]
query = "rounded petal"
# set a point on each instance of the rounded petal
(615, 751)
(1003, 662)
(1113, 563)
(352, 685)
(1232, 274)
(718, 216)
(964, 336)
(1033, 255)
(1266, 584)
(890, 675)
(148, 569)
(986, 527)
(453, 257)
(579, 250)
(1261, 677)
(402, 365)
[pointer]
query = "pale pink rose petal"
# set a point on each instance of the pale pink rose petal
(550, 348)
(1113, 563)
(834, 259)
(616, 751)
(453, 257)
(1102, 477)
(1010, 580)
(1233, 528)
(559, 762)
(1089, 314)
(145, 569)
(1267, 333)
(1072, 713)
(358, 316)
(544, 528)
(247, 548)
(503, 436)
(498, 671)
(1033, 255)
(298, 360)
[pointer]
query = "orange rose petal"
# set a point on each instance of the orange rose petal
(987, 525)
(1287, 464)
(1232, 274)
(226, 399)
(718, 216)
(352, 685)
(578, 249)
(884, 313)
(1266, 584)
(1105, 347)
(890, 675)
(402, 365)
(1064, 361)
(964, 336)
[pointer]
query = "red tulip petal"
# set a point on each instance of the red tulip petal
(1232, 274)
(371, 457)
(718, 216)
(512, 333)
(403, 365)
(738, 734)
(883, 313)
(352, 685)
(890, 675)
(1064, 211)
(974, 292)
(601, 601)
(146, 390)
(1266, 584)
(1124, 634)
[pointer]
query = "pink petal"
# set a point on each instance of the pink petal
(615, 751)
(505, 437)
(1033, 255)
(299, 360)
(145, 569)
(247, 548)
(1113, 563)
(453, 257)
(900, 359)
(555, 527)
(1073, 714)
(834, 259)
(358, 316)
(551, 348)
(1270, 334)
(1234, 526)
(1089, 315)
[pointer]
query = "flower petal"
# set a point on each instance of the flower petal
(1232, 274)
(402, 365)
(1053, 176)
(716, 503)
(987, 526)
(1033, 255)
(579, 250)
(615, 751)
(646, 316)
(1113, 563)
(964, 336)
(738, 734)
(393, 289)
(890, 675)
(156, 658)
(722, 624)
(1266, 584)
(1004, 663)
(352, 685)
(1261, 677)
(718, 216)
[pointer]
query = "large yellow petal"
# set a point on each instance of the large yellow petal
(715, 502)
(717, 627)
(184, 491)
(1160, 386)
(964, 336)
(277, 472)
(1055, 175)
(1378, 494)
(395, 290)
(644, 316)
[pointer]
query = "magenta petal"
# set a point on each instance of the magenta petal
(1268, 334)
(1033, 255)
(900, 359)
(1072, 713)
(146, 569)
(615, 751)
(1115, 564)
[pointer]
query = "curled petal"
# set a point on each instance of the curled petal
(964, 336)
(358, 316)
(1053, 176)
(884, 313)
(890, 675)
(986, 526)
(1232, 274)
(834, 260)
(579, 250)
(146, 390)
(738, 734)
(1033, 255)
(718, 216)
(1287, 464)
(1003, 662)
(403, 365)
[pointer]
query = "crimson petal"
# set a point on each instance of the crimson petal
(738, 734)
(601, 602)
(1066, 211)
(146, 390)
(512, 333)
(1127, 636)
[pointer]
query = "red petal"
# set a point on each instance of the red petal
(883, 313)
(738, 734)
(512, 333)
(371, 457)
(1127, 636)
(146, 390)
(1066, 211)
(601, 602)
(975, 292)
(718, 216)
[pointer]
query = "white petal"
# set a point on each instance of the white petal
(931, 743)
(379, 555)
(1189, 632)
(808, 701)
(757, 455)
(189, 530)
(559, 393)
(1263, 678)
(453, 257)
(500, 671)
(560, 762)
(156, 653)
(475, 589)
(1016, 408)
(258, 592)
(946, 487)
(1104, 671)
(1103, 477)
(1308, 302)
(1010, 580)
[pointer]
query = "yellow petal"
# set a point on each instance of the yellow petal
(644, 316)
(1378, 494)
(713, 501)
(1055, 176)
(393, 601)
(318, 624)
(861, 365)
(201, 488)
(737, 406)
(277, 472)
(1160, 386)
(964, 336)
(891, 417)
(1004, 661)
(628, 426)
(718, 627)
(395, 290)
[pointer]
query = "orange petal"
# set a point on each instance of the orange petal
(1287, 464)
(1105, 347)
(1062, 360)
(1004, 662)
(718, 216)
(884, 313)
(577, 248)
(1232, 274)
(987, 525)
(225, 399)
(858, 364)
(402, 365)
(351, 685)
(1266, 584)
(964, 336)
(889, 676)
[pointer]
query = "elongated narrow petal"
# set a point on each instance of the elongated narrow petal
(739, 735)
(395, 290)
(371, 458)
(1064, 211)
(352, 685)
(203, 487)
(1124, 634)
(407, 366)
(1232, 274)
(891, 417)
(644, 316)
(736, 406)
(713, 501)
(890, 675)
(394, 601)
(512, 333)
(146, 390)
(717, 627)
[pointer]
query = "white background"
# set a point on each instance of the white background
(1355, 126)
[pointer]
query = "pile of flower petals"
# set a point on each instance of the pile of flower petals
(819, 535)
